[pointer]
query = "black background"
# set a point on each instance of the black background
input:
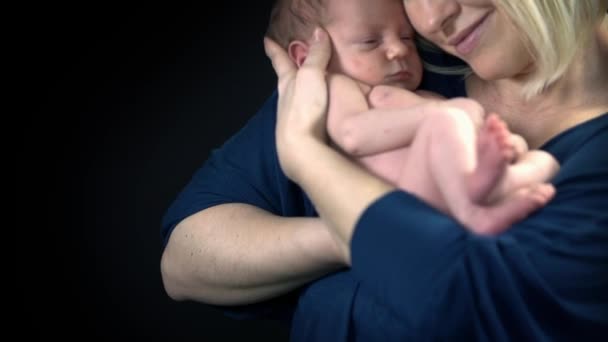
(123, 103)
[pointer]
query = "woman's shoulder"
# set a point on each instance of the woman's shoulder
(589, 138)
(448, 86)
(443, 73)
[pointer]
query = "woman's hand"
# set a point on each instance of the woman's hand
(302, 104)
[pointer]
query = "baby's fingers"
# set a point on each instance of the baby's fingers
(392, 97)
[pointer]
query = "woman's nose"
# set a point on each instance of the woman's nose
(431, 16)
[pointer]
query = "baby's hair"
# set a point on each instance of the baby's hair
(295, 20)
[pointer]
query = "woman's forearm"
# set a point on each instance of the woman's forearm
(235, 254)
(340, 189)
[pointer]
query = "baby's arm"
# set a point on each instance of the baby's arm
(347, 100)
(360, 130)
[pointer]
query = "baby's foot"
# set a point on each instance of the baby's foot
(512, 209)
(494, 153)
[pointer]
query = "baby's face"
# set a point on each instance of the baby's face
(373, 42)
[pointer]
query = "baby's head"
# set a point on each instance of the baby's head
(372, 41)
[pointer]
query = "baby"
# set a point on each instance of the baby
(451, 156)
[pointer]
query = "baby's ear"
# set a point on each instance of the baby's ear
(297, 51)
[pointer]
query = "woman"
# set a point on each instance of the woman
(236, 234)
(424, 276)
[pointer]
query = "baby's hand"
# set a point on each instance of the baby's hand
(389, 97)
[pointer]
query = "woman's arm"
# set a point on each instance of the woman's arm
(544, 279)
(340, 189)
(301, 139)
(236, 233)
(238, 254)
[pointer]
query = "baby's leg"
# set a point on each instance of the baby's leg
(498, 217)
(525, 169)
(520, 146)
(494, 153)
(443, 157)
(503, 193)
(532, 167)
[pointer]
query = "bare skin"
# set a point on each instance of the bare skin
(372, 45)
(495, 152)
(237, 254)
(448, 155)
(493, 207)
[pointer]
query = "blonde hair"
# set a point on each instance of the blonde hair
(554, 31)
(294, 20)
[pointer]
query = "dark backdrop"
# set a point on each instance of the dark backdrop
(125, 103)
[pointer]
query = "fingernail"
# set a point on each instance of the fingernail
(317, 34)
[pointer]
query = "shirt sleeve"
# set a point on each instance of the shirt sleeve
(545, 278)
(244, 169)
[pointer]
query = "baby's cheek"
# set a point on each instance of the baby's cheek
(366, 71)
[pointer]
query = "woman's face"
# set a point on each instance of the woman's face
(476, 31)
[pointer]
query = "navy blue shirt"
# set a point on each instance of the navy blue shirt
(417, 274)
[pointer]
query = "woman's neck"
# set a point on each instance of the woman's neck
(580, 95)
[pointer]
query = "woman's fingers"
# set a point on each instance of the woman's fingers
(310, 76)
(282, 65)
(310, 84)
(319, 51)
(302, 103)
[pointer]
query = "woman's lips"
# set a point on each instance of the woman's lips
(466, 42)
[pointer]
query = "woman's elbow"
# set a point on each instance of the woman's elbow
(171, 277)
